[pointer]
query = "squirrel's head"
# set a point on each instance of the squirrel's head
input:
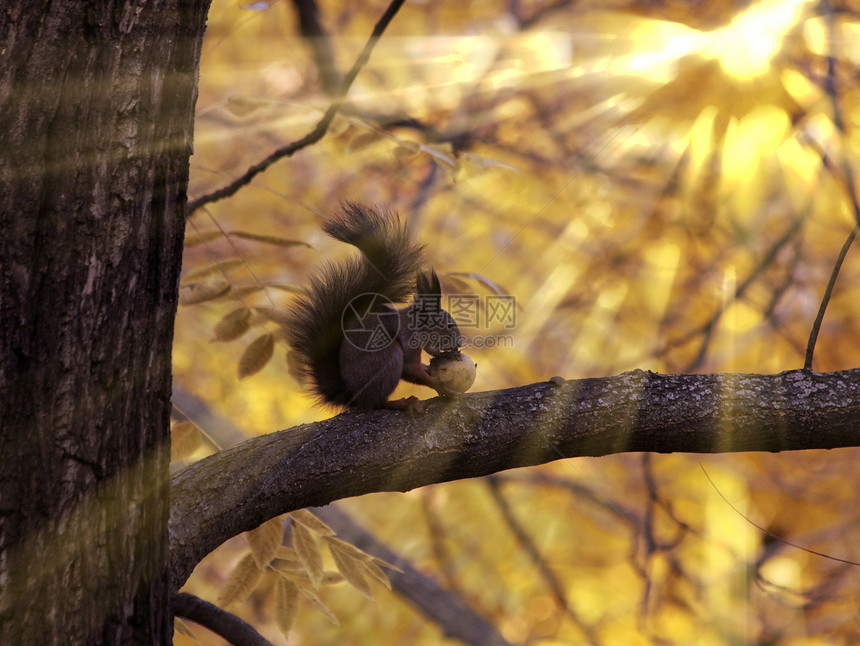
(436, 328)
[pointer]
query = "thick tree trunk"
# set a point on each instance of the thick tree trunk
(97, 107)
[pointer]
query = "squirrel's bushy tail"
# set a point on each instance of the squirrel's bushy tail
(387, 267)
(391, 255)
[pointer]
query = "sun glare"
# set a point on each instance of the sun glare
(746, 46)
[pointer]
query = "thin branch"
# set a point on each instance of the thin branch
(847, 179)
(816, 326)
(319, 130)
(767, 532)
(529, 547)
(656, 500)
(653, 546)
(454, 617)
(627, 516)
(767, 260)
(437, 538)
(219, 621)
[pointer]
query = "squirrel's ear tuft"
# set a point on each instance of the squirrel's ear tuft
(427, 284)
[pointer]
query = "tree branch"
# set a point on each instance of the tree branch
(219, 621)
(443, 606)
(319, 130)
(362, 452)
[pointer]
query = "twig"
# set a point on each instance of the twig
(528, 546)
(438, 546)
(816, 326)
(769, 533)
(319, 130)
(221, 622)
(708, 328)
(454, 616)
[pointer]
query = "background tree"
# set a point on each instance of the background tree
(680, 191)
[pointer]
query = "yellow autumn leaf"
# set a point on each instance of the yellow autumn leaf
(390, 566)
(201, 292)
(242, 106)
(286, 605)
(286, 553)
(197, 238)
(265, 540)
(273, 240)
(185, 439)
(293, 570)
(233, 325)
(364, 140)
(352, 571)
(241, 582)
(377, 573)
(310, 521)
(287, 287)
(256, 356)
(182, 634)
(269, 314)
(241, 291)
(347, 548)
(331, 578)
(314, 598)
(215, 268)
(306, 547)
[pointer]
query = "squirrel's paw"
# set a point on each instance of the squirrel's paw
(411, 405)
(445, 391)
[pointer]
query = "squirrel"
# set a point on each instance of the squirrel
(349, 340)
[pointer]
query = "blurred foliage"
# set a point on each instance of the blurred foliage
(660, 185)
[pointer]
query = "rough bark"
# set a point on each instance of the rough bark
(482, 433)
(97, 102)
